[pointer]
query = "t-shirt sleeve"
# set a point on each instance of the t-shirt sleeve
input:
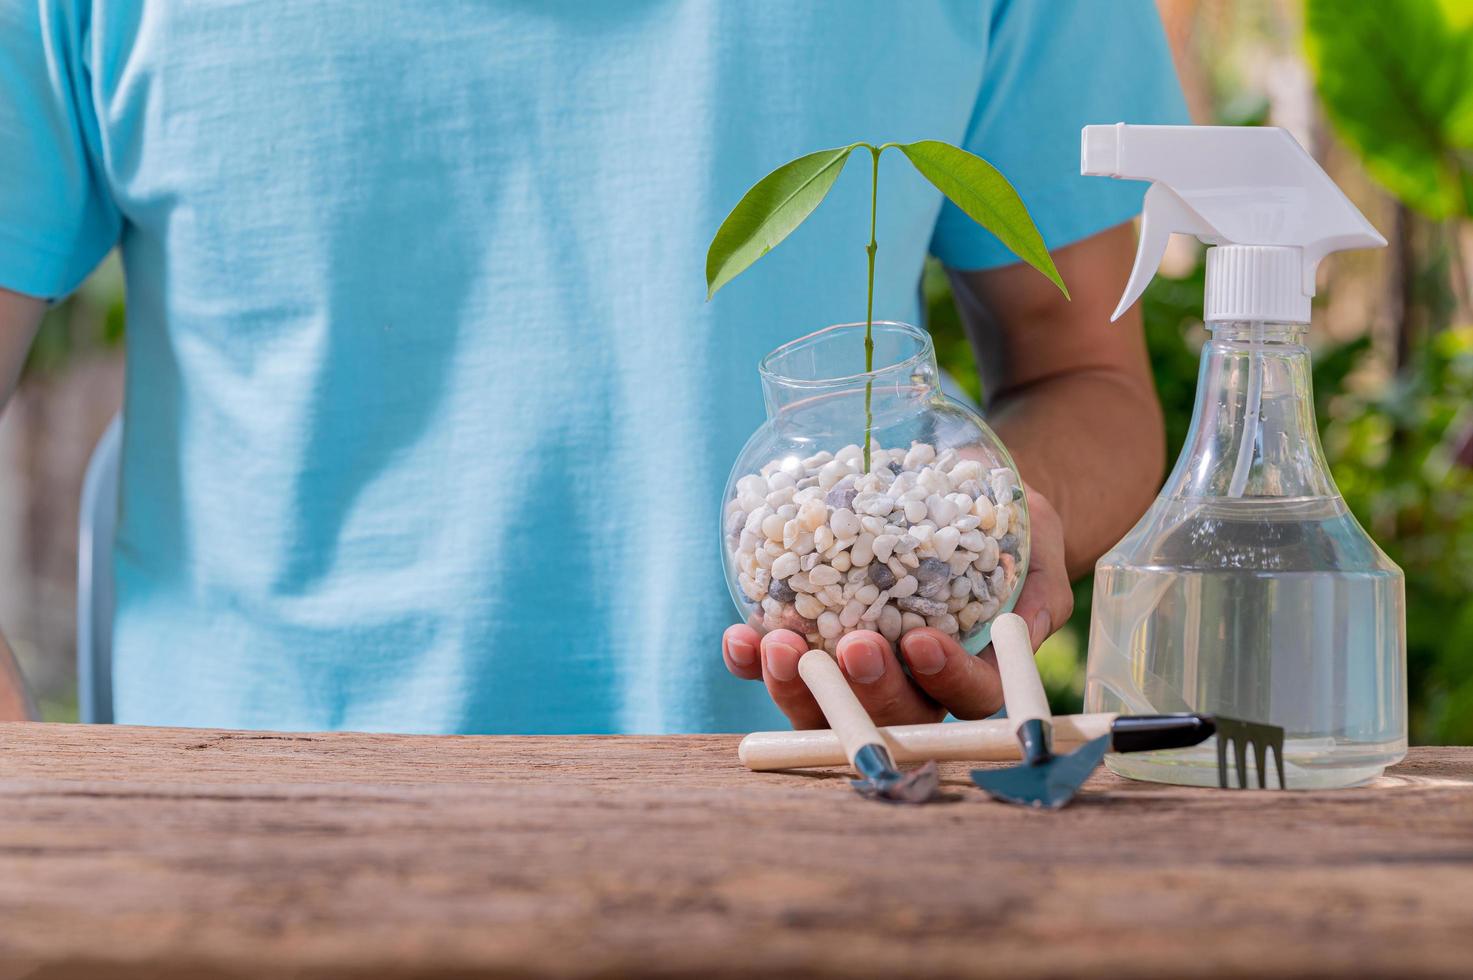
(57, 220)
(1051, 69)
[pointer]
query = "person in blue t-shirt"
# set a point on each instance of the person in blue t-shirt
(426, 421)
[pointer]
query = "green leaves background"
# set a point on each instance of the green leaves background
(779, 203)
(1396, 78)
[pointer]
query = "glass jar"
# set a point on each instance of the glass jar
(933, 531)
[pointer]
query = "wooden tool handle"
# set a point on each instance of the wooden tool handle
(991, 740)
(1022, 688)
(846, 716)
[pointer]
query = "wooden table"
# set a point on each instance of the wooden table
(182, 853)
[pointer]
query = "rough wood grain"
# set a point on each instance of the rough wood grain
(178, 853)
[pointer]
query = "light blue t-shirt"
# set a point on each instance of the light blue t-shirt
(427, 419)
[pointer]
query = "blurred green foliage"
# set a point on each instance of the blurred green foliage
(1396, 80)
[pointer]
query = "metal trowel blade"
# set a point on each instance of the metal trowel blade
(1049, 784)
(920, 785)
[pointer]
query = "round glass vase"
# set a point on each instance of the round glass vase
(933, 532)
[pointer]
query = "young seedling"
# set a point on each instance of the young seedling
(781, 201)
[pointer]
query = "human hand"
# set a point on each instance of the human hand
(943, 677)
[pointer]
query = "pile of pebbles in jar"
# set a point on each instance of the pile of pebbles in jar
(922, 539)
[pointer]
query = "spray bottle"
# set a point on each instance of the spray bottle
(1248, 589)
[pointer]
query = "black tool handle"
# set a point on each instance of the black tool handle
(1149, 733)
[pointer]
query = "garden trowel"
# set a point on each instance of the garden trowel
(1044, 779)
(863, 745)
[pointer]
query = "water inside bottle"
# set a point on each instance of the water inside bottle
(1277, 610)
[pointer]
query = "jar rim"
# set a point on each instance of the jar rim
(923, 353)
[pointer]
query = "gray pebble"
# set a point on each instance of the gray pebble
(935, 589)
(780, 591)
(932, 570)
(841, 497)
(1009, 542)
(922, 607)
(881, 575)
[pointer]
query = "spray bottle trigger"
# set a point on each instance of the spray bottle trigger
(1162, 214)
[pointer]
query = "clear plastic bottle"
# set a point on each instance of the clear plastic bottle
(1249, 590)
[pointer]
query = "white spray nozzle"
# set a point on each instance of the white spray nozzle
(1252, 190)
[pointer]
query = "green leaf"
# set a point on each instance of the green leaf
(1396, 79)
(980, 190)
(768, 213)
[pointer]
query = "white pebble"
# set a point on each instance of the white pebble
(867, 593)
(808, 606)
(824, 575)
(781, 480)
(785, 565)
(970, 615)
(946, 623)
(829, 625)
(823, 538)
(803, 544)
(911, 621)
(940, 509)
(832, 472)
(1002, 480)
(876, 608)
(778, 498)
(851, 613)
(863, 551)
(772, 527)
(945, 541)
(915, 511)
(809, 561)
(1000, 528)
(812, 515)
(905, 585)
(966, 469)
(973, 540)
(843, 522)
(873, 525)
(884, 546)
(841, 562)
(919, 455)
(889, 623)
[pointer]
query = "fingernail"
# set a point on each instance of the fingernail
(742, 653)
(924, 654)
(782, 662)
(863, 661)
(1043, 625)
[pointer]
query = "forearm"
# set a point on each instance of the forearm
(20, 317)
(1092, 442)
(1069, 392)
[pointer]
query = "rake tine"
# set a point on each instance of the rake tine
(1222, 740)
(1279, 761)
(1260, 758)
(1240, 756)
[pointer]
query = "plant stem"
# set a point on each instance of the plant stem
(869, 306)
